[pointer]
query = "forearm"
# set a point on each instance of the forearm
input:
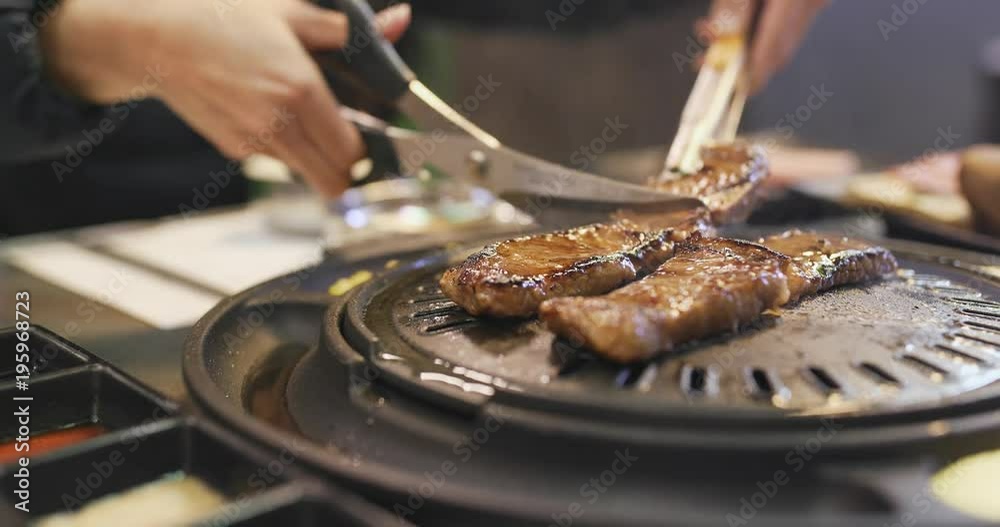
(38, 116)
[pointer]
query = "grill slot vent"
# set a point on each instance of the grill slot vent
(427, 298)
(974, 302)
(823, 379)
(694, 380)
(628, 376)
(981, 326)
(449, 325)
(937, 373)
(761, 384)
(985, 339)
(879, 374)
(991, 314)
(962, 354)
(452, 309)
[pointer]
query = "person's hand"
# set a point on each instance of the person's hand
(782, 27)
(239, 72)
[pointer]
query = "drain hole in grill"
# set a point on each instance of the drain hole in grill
(823, 379)
(452, 309)
(974, 302)
(451, 325)
(936, 372)
(568, 358)
(760, 383)
(879, 374)
(979, 338)
(981, 326)
(694, 380)
(961, 354)
(983, 313)
(627, 376)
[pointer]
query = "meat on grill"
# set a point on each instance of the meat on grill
(821, 262)
(710, 287)
(511, 278)
(728, 182)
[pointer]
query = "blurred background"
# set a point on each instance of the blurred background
(890, 96)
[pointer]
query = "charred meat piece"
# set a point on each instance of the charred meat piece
(708, 287)
(728, 183)
(822, 262)
(511, 278)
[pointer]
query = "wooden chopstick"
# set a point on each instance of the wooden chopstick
(713, 109)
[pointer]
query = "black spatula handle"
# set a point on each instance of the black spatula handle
(368, 53)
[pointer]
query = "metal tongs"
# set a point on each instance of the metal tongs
(451, 142)
(715, 106)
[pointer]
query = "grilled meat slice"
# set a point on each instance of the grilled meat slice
(511, 278)
(708, 287)
(729, 181)
(822, 262)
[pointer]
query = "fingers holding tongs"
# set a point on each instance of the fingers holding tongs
(715, 106)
